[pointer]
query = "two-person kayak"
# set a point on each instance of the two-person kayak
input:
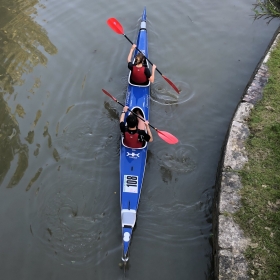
(133, 160)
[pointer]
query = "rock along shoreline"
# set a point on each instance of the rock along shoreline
(229, 242)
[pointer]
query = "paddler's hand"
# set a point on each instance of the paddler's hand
(130, 53)
(125, 108)
(146, 123)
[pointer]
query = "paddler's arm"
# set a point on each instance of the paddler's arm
(125, 108)
(149, 131)
(152, 78)
(130, 53)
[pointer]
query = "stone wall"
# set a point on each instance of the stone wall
(229, 241)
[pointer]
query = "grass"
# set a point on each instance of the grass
(259, 215)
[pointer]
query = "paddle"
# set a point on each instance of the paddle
(117, 27)
(164, 135)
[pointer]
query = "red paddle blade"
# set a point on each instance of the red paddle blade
(167, 137)
(115, 25)
(169, 82)
(107, 93)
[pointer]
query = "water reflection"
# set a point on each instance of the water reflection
(10, 145)
(20, 41)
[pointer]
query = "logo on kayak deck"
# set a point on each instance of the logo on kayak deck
(132, 155)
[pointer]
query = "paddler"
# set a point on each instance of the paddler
(140, 74)
(135, 135)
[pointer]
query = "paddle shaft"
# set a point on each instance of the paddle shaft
(142, 53)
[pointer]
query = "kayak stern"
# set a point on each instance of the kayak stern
(128, 222)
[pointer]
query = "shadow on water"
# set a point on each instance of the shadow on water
(20, 40)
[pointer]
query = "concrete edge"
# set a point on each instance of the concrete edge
(229, 242)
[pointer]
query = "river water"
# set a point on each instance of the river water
(59, 195)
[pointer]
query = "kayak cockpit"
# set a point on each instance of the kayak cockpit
(137, 110)
(133, 148)
(131, 83)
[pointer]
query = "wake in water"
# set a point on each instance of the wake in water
(182, 158)
(163, 94)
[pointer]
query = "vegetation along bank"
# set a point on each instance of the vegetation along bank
(246, 213)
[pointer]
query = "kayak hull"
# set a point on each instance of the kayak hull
(133, 160)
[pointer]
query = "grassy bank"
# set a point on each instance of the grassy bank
(259, 216)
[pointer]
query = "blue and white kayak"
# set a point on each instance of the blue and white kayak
(133, 160)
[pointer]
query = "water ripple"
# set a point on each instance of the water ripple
(72, 224)
(163, 94)
(172, 223)
(80, 137)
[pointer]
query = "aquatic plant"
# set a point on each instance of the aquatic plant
(267, 9)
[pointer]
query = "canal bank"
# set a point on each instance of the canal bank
(230, 242)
